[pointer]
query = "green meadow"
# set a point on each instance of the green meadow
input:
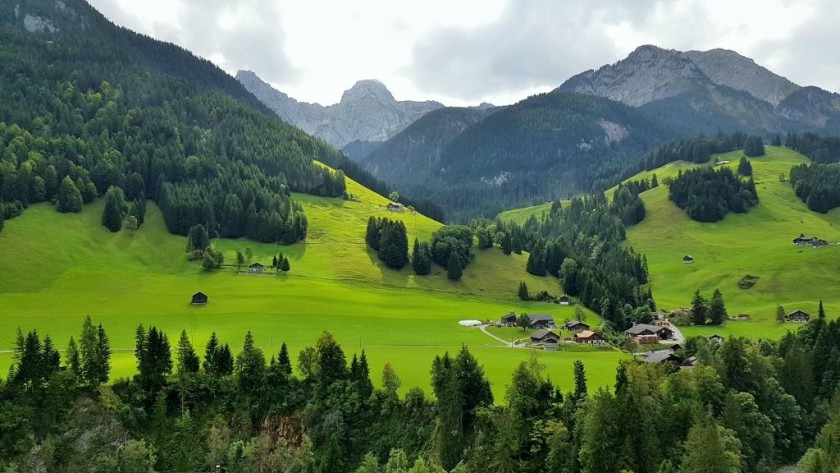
(58, 268)
(758, 243)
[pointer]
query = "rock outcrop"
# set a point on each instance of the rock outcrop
(367, 111)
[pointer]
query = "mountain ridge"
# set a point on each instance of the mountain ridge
(366, 112)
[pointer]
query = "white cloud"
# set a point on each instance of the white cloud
(466, 51)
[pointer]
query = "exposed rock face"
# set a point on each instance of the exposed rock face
(647, 74)
(366, 112)
(729, 68)
(38, 24)
(650, 73)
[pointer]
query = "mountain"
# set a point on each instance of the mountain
(91, 106)
(367, 111)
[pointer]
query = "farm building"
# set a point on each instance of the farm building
(803, 240)
(575, 326)
(543, 336)
(541, 321)
(798, 316)
(661, 356)
(256, 268)
(509, 319)
(565, 300)
(395, 207)
(587, 336)
(715, 338)
(199, 298)
(644, 334)
(688, 259)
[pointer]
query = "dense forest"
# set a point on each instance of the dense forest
(581, 245)
(746, 406)
(818, 185)
(708, 194)
(106, 107)
(700, 149)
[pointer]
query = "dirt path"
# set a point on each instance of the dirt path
(505, 342)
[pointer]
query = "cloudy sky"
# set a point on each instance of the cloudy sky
(464, 52)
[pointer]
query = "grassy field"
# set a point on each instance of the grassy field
(60, 267)
(757, 243)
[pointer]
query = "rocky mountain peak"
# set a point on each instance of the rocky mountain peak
(368, 89)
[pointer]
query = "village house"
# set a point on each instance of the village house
(565, 300)
(803, 240)
(543, 336)
(256, 268)
(688, 259)
(199, 298)
(508, 320)
(715, 338)
(798, 316)
(575, 326)
(661, 356)
(395, 207)
(541, 321)
(644, 334)
(589, 337)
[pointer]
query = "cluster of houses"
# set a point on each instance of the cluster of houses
(545, 336)
(803, 240)
(670, 355)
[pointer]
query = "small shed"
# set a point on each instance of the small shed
(587, 336)
(544, 336)
(256, 268)
(565, 300)
(715, 338)
(395, 207)
(798, 316)
(688, 259)
(199, 298)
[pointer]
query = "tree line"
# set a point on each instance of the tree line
(700, 149)
(746, 406)
(818, 185)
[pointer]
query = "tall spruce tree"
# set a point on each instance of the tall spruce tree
(454, 270)
(69, 197)
(699, 309)
(114, 211)
(717, 309)
(744, 167)
(421, 258)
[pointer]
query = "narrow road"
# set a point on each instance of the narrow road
(505, 342)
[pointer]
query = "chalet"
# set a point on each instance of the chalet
(688, 259)
(543, 336)
(715, 338)
(575, 326)
(509, 319)
(644, 334)
(798, 316)
(395, 207)
(199, 298)
(256, 268)
(803, 240)
(565, 300)
(587, 336)
(662, 356)
(541, 321)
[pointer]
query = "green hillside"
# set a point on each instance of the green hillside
(756, 243)
(61, 267)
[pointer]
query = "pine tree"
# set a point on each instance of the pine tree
(821, 313)
(188, 361)
(210, 363)
(250, 365)
(73, 359)
(507, 243)
(92, 360)
(523, 292)
(454, 271)
(654, 182)
(698, 309)
(197, 238)
(717, 309)
(284, 265)
(283, 360)
(69, 197)
(744, 167)
(421, 258)
(113, 213)
(780, 314)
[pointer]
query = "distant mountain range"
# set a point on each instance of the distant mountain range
(367, 111)
(592, 129)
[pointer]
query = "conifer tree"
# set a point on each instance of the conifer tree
(114, 212)
(421, 258)
(699, 310)
(454, 271)
(523, 292)
(717, 309)
(744, 167)
(284, 265)
(69, 197)
(188, 361)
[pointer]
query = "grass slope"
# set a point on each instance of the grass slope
(60, 267)
(757, 243)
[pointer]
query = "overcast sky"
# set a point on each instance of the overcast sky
(462, 52)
